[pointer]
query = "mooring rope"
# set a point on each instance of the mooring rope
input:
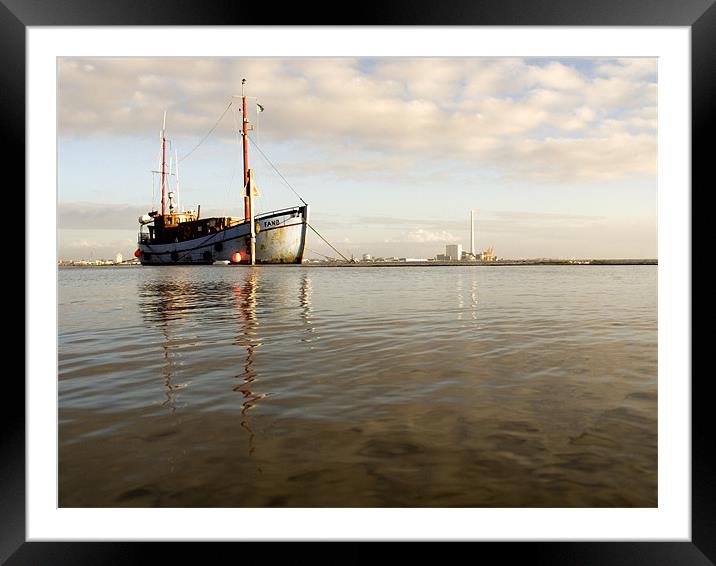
(327, 242)
(299, 196)
(318, 253)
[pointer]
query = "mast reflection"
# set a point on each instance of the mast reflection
(162, 302)
(245, 296)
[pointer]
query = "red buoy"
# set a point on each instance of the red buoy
(138, 253)
(236, 257)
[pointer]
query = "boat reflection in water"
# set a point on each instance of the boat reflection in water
(245, 301)
(161, 303)
(209, 331)
(247, 338)
(291, 386)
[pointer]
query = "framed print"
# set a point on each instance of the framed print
(470, 396)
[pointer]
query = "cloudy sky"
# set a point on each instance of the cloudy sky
(558, 156)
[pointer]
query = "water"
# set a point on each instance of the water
(296, 386)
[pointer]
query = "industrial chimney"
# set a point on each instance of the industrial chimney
(472, 233)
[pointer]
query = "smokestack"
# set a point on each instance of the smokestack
(472, 233)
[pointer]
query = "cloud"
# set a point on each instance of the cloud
(93, 216)
(345, 169)
(557, 76)
(542, 216)
(79, 216)
(632, 68)
(104, 244)
(609, 158)
(421, 235)
(508, 113)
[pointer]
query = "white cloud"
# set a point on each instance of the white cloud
(94, 216)
(105, 244)
(532, 120)
(557, 76)
(632, 68)
(421, 235)
(590, 159)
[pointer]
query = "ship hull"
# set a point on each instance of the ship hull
(280, 238)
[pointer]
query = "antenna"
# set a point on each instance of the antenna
(164, 160)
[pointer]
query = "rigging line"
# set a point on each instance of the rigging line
(277, 171)
(209, 132)
(329, 244)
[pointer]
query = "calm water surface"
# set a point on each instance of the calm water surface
(300, 386)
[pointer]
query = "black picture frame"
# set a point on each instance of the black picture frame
(699, 15)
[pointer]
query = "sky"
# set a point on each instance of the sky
(558, 157)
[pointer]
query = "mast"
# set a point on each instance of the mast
(248, 179)
(245, 135)
(164, 161)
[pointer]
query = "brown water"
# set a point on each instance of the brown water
(351, 387)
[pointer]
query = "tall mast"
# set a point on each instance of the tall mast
(245, 134)
(164, 161)
(248, 180)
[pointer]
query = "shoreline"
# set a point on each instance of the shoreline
(510, 262)
(529, 262)
(499, 263)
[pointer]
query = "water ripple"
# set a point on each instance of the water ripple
(429, 386)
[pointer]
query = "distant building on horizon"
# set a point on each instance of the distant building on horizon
(453, 252)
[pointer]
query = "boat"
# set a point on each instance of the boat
(170, 237)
